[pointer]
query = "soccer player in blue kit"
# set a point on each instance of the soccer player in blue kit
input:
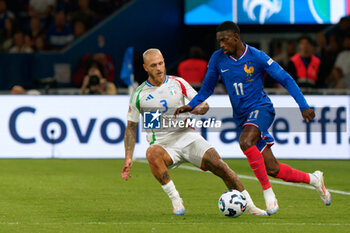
(241, 68)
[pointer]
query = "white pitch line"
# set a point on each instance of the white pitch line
(174, 223)
(254, 178)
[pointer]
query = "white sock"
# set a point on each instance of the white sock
(269, 195)
(170, 189)
(247, 197)
(313, 179)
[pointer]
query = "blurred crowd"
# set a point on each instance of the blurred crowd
(314, 61)
(27, 26)
(320, 60)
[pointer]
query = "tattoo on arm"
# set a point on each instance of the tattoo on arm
(130, 138)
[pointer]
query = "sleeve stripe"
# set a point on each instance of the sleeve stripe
(183, 88)
(138, 101)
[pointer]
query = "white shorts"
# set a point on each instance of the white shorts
(187, 147)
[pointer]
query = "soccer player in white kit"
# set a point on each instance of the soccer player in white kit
(163, 94)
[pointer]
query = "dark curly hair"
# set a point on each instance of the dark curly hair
(228, 25)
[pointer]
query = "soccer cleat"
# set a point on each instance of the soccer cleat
(253, 210)
(178, 207)
(271, 201)
(321, 189)
(272, 206)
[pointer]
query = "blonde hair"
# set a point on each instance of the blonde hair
(150, 51)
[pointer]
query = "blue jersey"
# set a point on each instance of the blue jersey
(243, 78)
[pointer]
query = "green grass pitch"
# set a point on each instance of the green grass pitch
(89, 196)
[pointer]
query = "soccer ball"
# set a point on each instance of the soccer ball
(232, 203)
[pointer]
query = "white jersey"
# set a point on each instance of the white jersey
(165, 98)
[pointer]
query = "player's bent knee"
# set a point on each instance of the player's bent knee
(245, 143)
(154, 154)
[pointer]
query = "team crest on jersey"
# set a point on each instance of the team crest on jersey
(248, 69)
(172, 90)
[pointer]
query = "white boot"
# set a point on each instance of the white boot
(318, 182)
(271, 201)
(251, 208)
(178, 207)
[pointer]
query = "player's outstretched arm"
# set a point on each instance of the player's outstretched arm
(129, 144)
(282, 76)
(185, 108)
(308, 114)
(201, 109)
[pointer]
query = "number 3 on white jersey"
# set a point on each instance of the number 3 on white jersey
(165, 105)
(239, 88)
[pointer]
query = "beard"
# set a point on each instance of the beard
(158, 79)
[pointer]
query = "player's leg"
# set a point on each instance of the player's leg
(283, 171)
(249, 137)
(201, 154)
(252, 143)
(289, 174)
(211, 161)
(159, 160)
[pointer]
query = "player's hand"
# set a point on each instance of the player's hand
(308, 115)
(126, 169)
(201, 109)
(185, 108)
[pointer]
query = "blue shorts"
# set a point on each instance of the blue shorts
(261, 117)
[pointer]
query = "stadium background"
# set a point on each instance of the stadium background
(56, 194)
(43, 128)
